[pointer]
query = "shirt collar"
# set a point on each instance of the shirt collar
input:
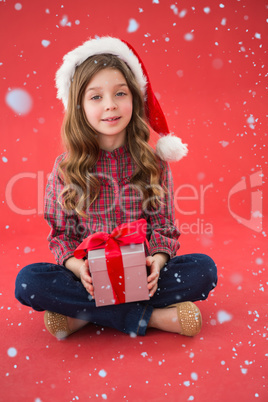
(116, 153)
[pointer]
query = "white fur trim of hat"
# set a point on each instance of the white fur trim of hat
(169, 147)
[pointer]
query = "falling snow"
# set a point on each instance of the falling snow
(18, 6)
(12, 352)
(45, 42)
(194, 376)
(189, 36)
(224, 316)
(19, 100)
(102, 373)
(133, 25)
(224, 143)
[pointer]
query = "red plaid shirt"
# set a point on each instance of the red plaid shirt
(118, 202)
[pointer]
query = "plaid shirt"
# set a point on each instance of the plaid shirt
(118, 202)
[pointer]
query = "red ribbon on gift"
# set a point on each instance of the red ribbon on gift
(122, 235)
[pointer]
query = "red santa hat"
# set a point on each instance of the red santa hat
(168, 147)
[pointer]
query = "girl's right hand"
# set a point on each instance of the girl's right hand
(86, 278)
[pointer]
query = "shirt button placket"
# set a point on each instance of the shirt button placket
(116, 190)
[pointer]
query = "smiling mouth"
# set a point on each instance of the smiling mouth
(111, 119)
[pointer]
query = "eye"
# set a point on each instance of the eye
(95, 97)
(120, 94)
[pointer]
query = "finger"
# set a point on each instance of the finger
(89, 278)
(86, 278)
(153, 276)
(152, 291)
(85, 265)
(89, 288)
(152, 284)
(85, 274)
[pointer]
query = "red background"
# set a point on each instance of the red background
(213, 90)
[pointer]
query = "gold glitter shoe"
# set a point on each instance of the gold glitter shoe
(189, 318)
(57, 325)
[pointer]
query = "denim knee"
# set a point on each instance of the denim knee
(21, 284)
(209, 271)
(25, 285)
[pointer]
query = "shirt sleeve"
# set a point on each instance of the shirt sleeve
(64, 235)
(164, 233)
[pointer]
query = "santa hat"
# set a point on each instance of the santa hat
(168, 147)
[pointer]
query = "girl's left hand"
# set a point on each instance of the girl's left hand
(155, 263)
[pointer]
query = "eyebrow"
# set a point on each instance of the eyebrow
(99, 88)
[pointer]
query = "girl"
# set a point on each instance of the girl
(108, 176)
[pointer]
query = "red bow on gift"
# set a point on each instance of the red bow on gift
(122, 235)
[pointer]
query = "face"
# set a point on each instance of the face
(108, 105)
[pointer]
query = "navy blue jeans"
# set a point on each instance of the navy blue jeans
(45, 286)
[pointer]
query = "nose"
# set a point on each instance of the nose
(110, 104)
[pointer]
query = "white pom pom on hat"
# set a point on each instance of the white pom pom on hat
(169, 147)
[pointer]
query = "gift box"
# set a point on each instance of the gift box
(117, 264)
(133, 282)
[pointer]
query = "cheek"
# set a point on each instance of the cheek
(90, 112)
(128, 108)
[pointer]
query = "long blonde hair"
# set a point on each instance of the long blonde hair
(83, 149)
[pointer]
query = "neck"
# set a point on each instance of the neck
(109, 144)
